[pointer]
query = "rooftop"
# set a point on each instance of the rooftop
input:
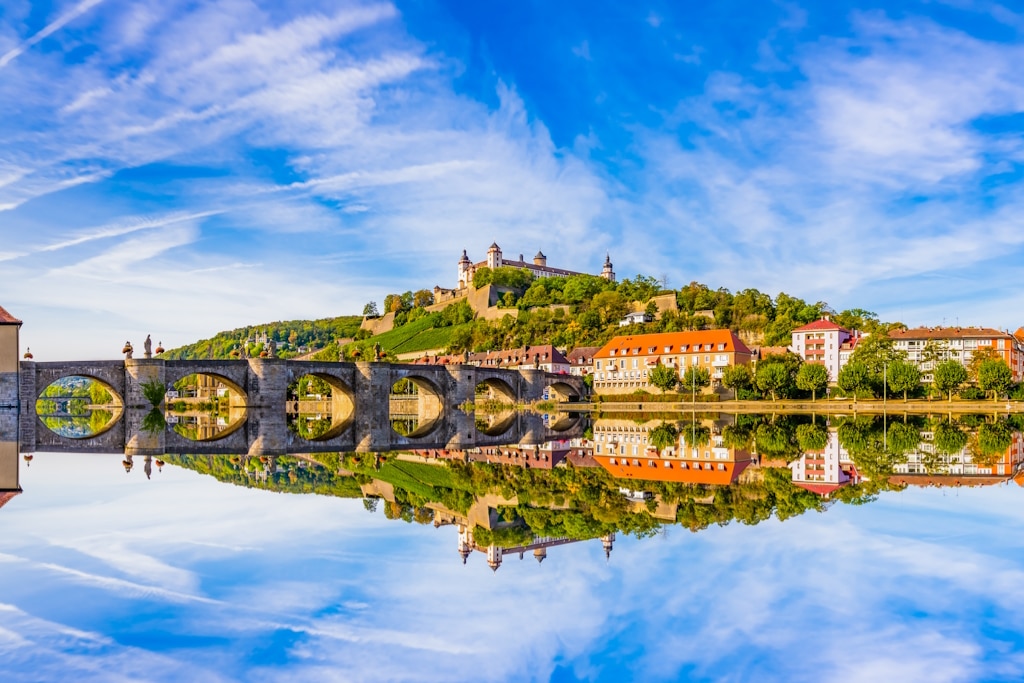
(693, 474)
(949, 333)
(7, 319)
(823, 324)
(642, 344)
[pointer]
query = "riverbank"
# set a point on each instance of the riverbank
(845, 406)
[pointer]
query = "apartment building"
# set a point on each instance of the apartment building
(621, 366)
(822, 342)
(927, 346)
(826, 470)
(622, 448)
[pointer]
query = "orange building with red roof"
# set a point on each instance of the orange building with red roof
(621, 366)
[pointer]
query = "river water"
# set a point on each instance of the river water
(227, 568)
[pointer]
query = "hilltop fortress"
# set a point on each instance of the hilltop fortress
(484, 300)
(495, 259)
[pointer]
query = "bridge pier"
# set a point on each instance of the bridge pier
(371, 390)
(139, 371)
(27, 393)
(138, 441)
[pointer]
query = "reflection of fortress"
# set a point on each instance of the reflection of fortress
(539, 546)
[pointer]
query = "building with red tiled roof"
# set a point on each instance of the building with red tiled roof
(621, 365)
(7, 319)
(926, 346)
(545, 357)
(821, 342)
(581, 359)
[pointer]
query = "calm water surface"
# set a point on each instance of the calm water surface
(108, 575)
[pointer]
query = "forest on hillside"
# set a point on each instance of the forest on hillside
(289, 335)
(585, 310)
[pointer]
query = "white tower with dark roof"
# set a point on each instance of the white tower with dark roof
(494, 256)
(607, 273)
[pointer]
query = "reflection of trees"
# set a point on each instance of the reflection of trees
(949, 438)
(812, 437)
(865, 440)
(310, 427)
(663, 436)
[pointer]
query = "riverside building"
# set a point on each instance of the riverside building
(927, 346)
(622, 365)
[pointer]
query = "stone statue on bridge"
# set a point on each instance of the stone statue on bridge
(147, 347)
(127, 350)
(272, 349)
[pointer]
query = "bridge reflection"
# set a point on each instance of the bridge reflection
(272, 407)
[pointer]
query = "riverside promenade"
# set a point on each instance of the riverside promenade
(823, 406)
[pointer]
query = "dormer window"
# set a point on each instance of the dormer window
(668, 349)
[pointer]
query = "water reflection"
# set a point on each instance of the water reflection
(599, 550)
(78, 407)
(620, 476)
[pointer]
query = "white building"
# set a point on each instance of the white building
(821, 342)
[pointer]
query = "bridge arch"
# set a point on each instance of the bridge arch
(497, 388)
(564, 391)
(416, 403)
(341, 403)
(69, 413)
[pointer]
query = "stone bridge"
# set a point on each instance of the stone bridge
(260, 387)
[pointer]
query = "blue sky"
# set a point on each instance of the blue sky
(178, 168)
(108, 576)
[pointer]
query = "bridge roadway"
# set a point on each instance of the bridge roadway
(360, 405)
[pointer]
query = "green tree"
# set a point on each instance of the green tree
(949, 376)
(902, 376)
(695, 378)
(876, 351)
(773, 378)
(663, 377)
(370, 310)
(948, 437)
(422, 298)
(663, 436)
(854, 377)
(995, 376)
(812, 377)
(737, 377)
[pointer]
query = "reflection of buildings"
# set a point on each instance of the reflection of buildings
(10, 485)
(826, 470)
(538, 546)
(623, 448)
(928, 467)
(543, 456)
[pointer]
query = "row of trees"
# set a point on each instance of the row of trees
(785, 374)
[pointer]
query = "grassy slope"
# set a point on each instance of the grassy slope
(416, 336)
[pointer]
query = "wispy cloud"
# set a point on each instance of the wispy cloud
(78, 10)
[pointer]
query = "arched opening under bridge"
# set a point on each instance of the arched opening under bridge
(79, 407)
(415, 406)
(320, 407)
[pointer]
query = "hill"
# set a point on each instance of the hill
(290, 336)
